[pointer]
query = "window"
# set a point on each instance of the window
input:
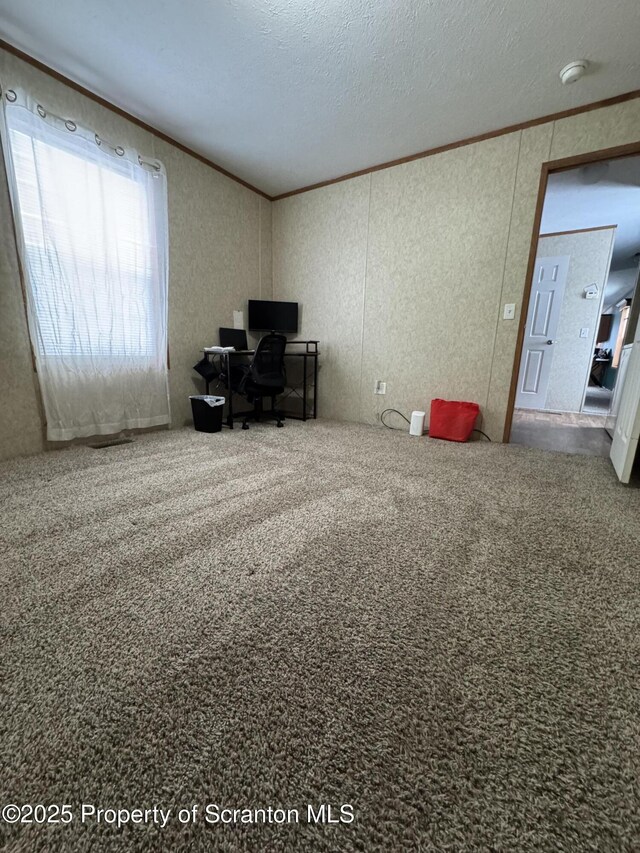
(83, 223)
(91, 221)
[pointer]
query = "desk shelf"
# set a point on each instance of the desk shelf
(300, 398)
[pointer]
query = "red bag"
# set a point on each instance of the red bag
(452, 420)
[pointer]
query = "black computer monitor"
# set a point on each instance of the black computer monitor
(267, 315)
(236, 338)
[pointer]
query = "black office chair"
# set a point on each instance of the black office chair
(264, 377)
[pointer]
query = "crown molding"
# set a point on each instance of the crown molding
(471, 140)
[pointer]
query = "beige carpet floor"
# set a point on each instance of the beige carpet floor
(443, 636)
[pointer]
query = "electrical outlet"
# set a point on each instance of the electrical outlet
(380, 387)
(509, 311)
(584, 332)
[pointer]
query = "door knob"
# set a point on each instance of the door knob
(549, 342)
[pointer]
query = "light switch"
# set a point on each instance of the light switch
(509, 311)
(584, 332)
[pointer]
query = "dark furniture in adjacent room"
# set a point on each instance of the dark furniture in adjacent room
(599, 367)
(604, 328)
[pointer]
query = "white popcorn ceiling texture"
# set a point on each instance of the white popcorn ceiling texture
(285, 94)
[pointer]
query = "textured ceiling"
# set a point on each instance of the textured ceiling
(591, 196)
(286, 93)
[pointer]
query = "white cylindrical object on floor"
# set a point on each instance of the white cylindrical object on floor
(417, 423)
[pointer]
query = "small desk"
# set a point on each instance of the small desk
(303, 388)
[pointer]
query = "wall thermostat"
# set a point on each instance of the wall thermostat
(591, 292)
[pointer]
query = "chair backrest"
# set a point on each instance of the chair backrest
(267, 367)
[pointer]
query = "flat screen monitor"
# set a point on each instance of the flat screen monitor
(265, 315)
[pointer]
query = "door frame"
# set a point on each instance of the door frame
(548, 167)
(594, 339)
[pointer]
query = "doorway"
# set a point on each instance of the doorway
(580, 306)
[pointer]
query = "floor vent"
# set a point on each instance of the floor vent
(100, 445)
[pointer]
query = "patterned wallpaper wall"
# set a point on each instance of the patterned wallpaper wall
(219, 256)
(402, 274)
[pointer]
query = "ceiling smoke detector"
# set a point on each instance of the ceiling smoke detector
(573, 71)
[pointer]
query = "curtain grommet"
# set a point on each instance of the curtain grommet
(41, 111)
(71, 125)
(11, 95)
(97, 139)
(119, 151)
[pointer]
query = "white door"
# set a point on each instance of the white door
(547, 291)
(627, 431)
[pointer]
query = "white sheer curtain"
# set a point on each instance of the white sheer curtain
(91, 223)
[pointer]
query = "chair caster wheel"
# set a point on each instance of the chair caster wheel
(280, 424)
(245, 425)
